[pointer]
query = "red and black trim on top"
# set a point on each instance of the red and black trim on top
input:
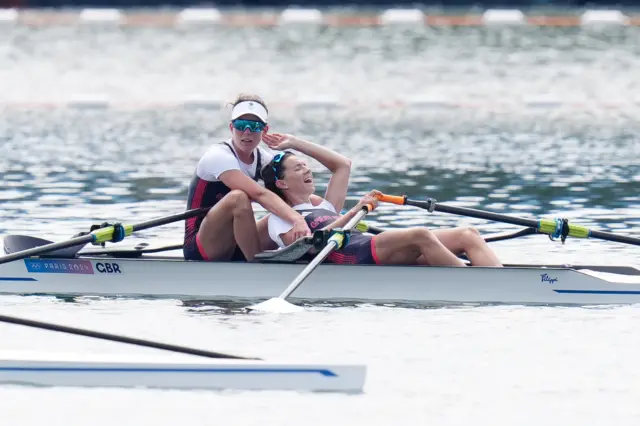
(204, 193)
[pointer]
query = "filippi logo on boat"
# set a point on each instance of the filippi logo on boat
(547, 279)
(45, 266)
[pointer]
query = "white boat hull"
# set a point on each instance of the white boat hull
(178, 373)
(176, 278)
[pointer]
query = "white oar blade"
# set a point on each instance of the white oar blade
(275, 305)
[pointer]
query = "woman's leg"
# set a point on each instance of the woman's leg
(470, 242)
(412, 246)
(228, 223)
(266, 243)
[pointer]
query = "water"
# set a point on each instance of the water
(355, 90)
(453, 366)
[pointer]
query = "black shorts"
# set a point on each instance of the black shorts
(360, 251)
(192, 250)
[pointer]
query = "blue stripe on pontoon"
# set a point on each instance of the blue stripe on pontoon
(17, 279)
(598, 291)
(327, 373)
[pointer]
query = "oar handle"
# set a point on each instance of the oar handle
(393, 199)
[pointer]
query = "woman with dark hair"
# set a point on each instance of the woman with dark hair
(290, 178)
(226, 178)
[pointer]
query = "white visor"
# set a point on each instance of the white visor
(249, 107)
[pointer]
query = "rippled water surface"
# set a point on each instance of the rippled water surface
(352, 89)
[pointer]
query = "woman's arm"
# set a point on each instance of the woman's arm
(343, 219)
(235, 179)
(370, 198)
(338, 165)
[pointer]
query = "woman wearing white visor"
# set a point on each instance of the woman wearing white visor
(226, 178)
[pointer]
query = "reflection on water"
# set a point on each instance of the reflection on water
(531, 163)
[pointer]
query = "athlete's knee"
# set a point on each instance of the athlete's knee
(239, 201)
(237, 197)
(421, 235)
(470, 233)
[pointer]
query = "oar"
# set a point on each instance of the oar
(555, 228)
(114, 233)
(363, 226)
(279, 304)
(502, 236)
(490, 238)
(116, 338)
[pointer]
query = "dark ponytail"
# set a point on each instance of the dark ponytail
(270, 176)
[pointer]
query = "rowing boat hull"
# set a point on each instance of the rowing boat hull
(173, 277)
(179, 373)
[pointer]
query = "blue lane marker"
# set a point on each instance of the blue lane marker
(327, 373)
(16, 279)
(598, 291)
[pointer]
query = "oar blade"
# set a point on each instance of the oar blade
(275, 305)
(19, 243)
